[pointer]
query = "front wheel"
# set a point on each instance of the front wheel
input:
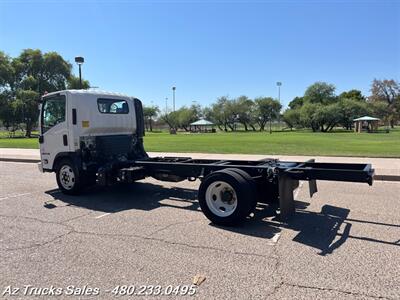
(68, 177)
(226, 198)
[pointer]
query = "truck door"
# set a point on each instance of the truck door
(53, 129)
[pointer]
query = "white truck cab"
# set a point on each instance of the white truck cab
(85, 127)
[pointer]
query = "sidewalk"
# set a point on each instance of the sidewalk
(385, 168)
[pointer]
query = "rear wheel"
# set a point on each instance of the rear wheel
(226, 197)
(68, 177)
(253, 186)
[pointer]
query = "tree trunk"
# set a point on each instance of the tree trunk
(392, 124)
(313, 127)
(245, 126)
(252, 127)
(150, 125)
(28, 129)
(262, 125)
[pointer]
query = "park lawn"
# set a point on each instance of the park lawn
(281, 143)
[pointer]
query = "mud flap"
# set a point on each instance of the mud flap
(312, 186)
(312, 183)
(286, 199)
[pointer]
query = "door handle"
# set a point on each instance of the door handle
(65, 140)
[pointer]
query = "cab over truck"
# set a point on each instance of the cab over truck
(92, 137)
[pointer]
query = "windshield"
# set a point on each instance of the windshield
(53, 112)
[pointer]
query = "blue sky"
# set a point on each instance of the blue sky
(212, 48)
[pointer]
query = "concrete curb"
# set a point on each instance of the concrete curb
(33, 160)
(23, 160)
(387, 177)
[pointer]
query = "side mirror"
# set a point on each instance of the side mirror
(41, 140)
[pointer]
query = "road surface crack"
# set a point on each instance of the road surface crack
(37, 245)
(72, 230)
(171, 225)
(335, 290)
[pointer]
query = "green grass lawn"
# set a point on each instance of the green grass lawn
(284, 143)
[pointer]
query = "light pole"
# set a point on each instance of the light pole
(279, 99)
(279, 90)
(173, 97)
(80, 60)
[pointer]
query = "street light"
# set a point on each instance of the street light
(173, 96)
(80, 60)
(279, 99)
(279, 90)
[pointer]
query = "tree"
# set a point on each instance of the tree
(350, 109)
(6, 71)
(327, 116)
(379, 109)
(231, 114)
(297, 102)
(36, 73)
(308, 114)
(320, 117)
(244, 107)
(25, 78)
(318, 109)
(187, 115)
(74, 84)
(7, 113)
(171, 119)
(207, 113)
(26, 109)
(6, 81)
(353, 94)
(292, 118)
(45, 72)
(320, 92)
(220, 112)
(387, 91)
(268, 109)
(149, 113)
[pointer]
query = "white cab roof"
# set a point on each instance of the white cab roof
(99, 93)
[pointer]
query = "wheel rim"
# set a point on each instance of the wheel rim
(67, 177)
(221, 198)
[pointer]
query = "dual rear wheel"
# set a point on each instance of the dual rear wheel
(228, 196)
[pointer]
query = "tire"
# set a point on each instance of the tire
(68, 177)
(254, 198)
(226, 197)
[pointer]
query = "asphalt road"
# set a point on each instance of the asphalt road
(343, 244)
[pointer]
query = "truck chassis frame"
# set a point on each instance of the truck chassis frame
(279, 178)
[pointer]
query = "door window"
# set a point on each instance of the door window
(112, 106)
(53, 112)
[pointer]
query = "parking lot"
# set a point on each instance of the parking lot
(344, 243)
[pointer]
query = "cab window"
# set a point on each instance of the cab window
(53, 112)
(112, 106)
